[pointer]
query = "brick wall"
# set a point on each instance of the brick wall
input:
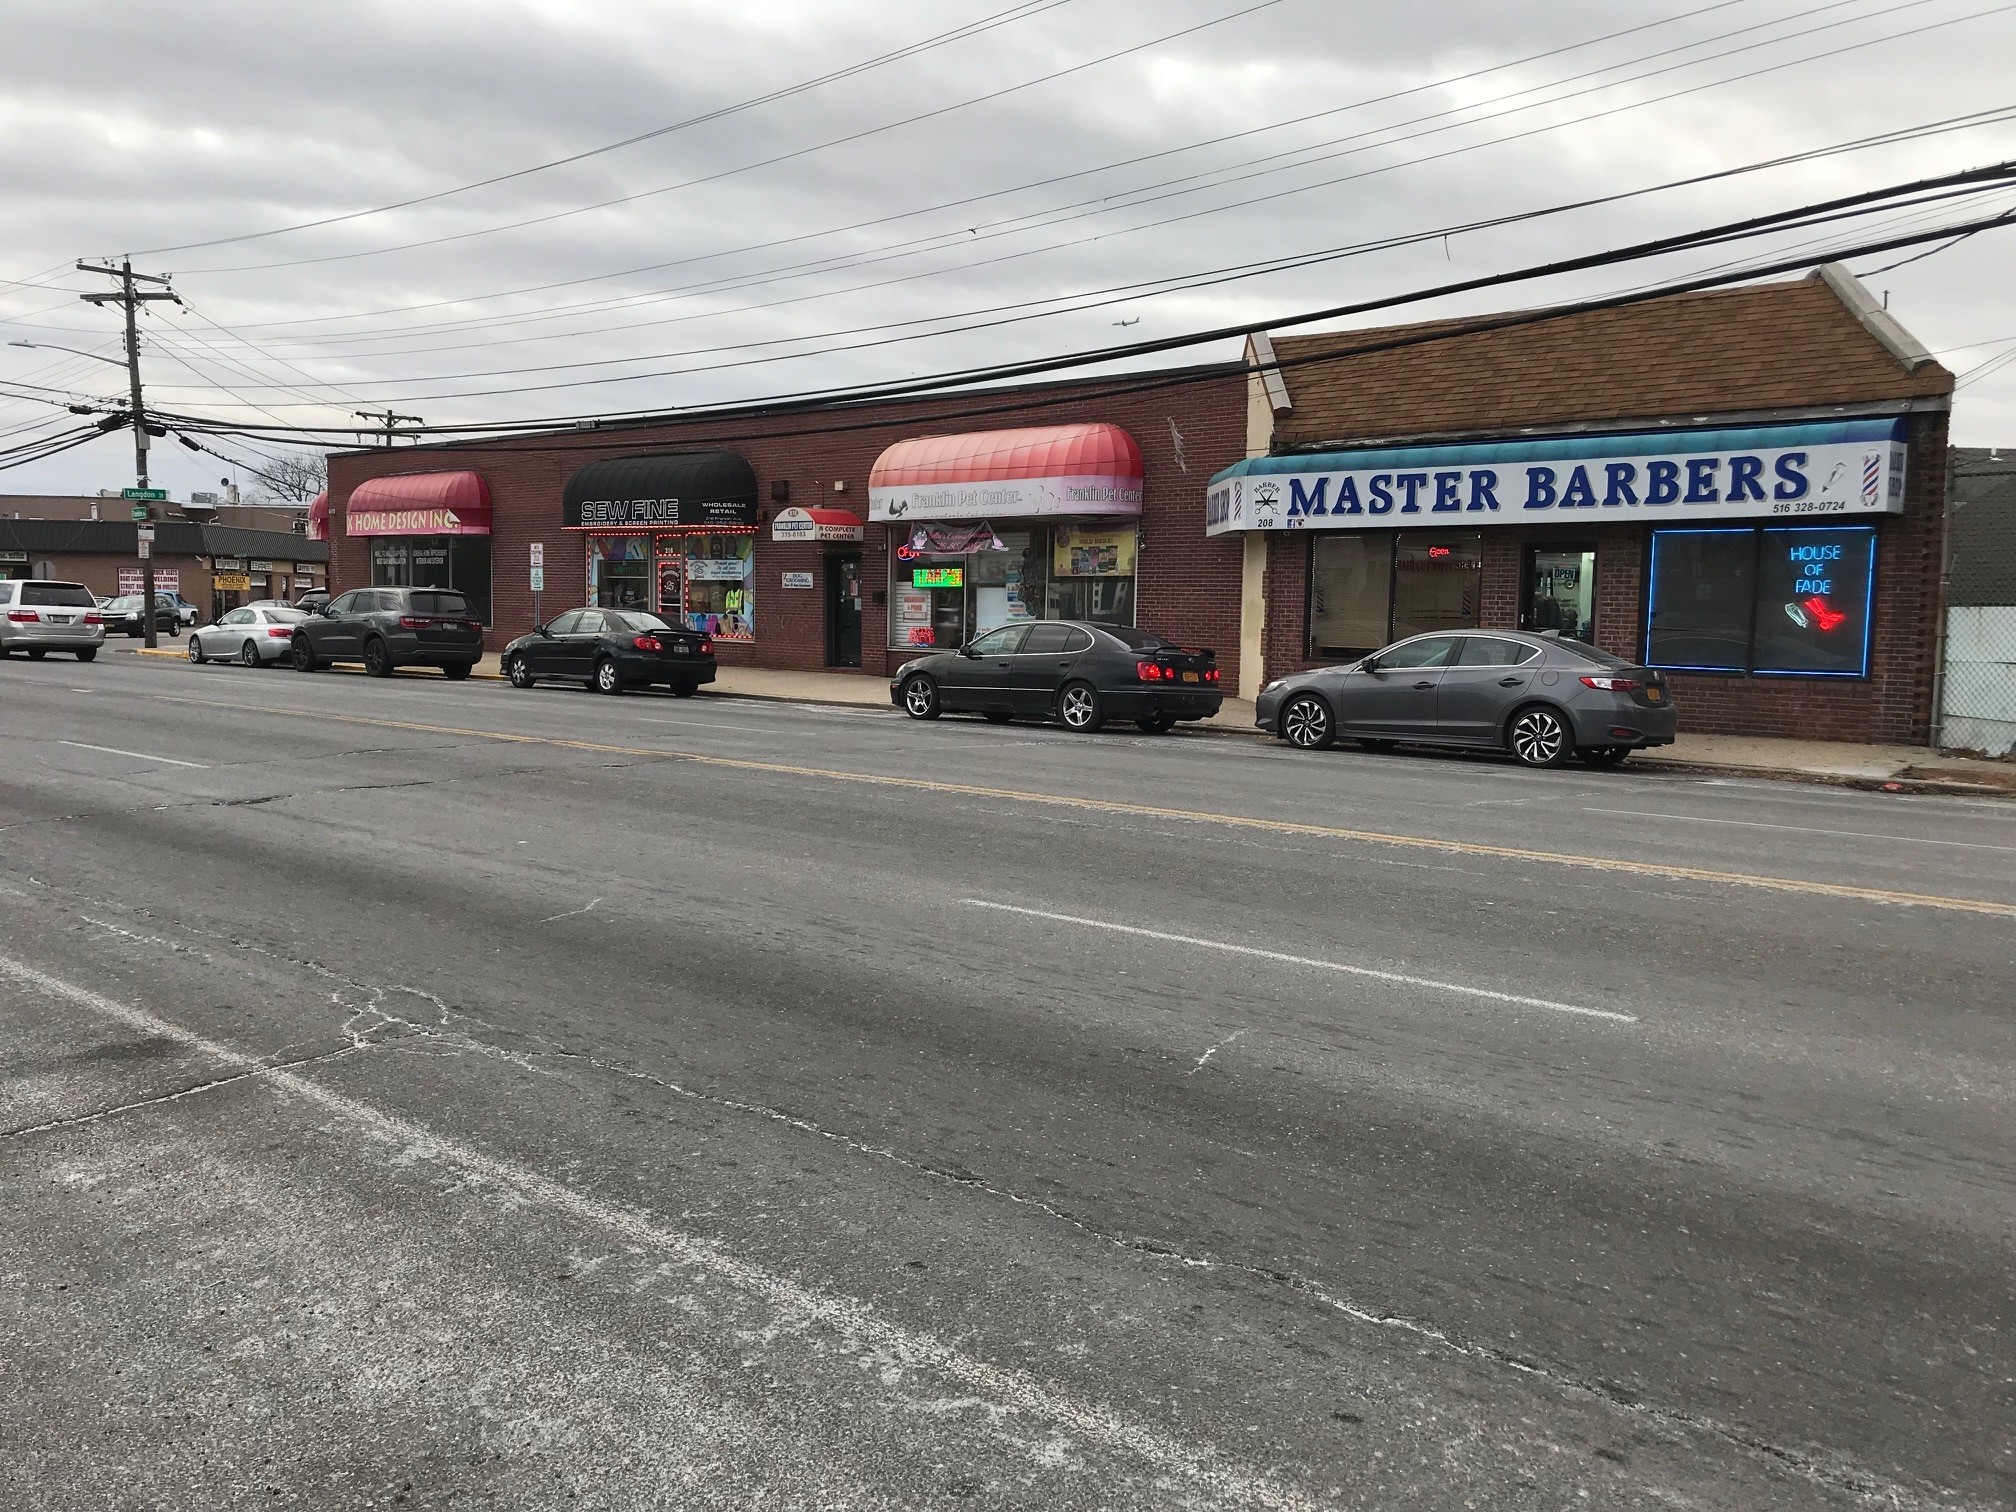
(1892, 705)
(1188, 585)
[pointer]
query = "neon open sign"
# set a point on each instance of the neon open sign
(937, 577)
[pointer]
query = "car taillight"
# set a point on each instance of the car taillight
(648, 643)
(1611, 684)
(413, 622)
(1149, 671)
(279, 632)
(1210, 674)
(706, 648)
(94, 618)
(22, 617)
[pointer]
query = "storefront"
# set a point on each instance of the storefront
(425, 530)
(1766, 530)
(993, 528)
(674, 535)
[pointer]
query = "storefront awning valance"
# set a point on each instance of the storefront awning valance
(1061, 470)
(420, 504)
(318, 517)
(817, 525)
(713, 490)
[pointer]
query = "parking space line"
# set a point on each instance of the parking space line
(1397, 978)
(1437, 843)
(136, 755)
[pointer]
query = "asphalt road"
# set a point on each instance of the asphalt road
(443, 1095)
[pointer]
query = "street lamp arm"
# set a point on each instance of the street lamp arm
(50, 346)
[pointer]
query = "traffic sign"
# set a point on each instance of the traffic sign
(146, 550)
(538, 579)
(143, 511)
(538, 553)
(146, 532)
(158, 495)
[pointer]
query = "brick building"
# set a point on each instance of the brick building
(838, 538)
(1746, 486)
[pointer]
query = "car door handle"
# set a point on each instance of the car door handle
(1424, 684)
(1511, 682)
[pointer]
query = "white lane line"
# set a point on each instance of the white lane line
(570, 914)
(1294, 960)
(137, 755)
(1204, 1468)
(712, 724)
(1802, 829)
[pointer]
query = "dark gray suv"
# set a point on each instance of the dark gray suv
(1538, 696)
(389, 628)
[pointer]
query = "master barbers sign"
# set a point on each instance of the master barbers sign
(1764, 472)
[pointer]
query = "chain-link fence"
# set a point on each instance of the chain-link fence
(1977, 697)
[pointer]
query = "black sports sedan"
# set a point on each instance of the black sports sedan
(610, 650)
(1077, 673)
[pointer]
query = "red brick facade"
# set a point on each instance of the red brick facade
(1187, 586)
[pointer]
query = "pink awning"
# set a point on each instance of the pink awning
(1063, 470)
(318, 517)
(408, 504)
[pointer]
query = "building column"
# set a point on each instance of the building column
(1253, 616)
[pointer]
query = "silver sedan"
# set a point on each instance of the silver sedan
(249, 636)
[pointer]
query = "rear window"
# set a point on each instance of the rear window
(1138, 640)
(58, 595)
(283, 616)
(631, 619)
(440, 603)
(1596, 656)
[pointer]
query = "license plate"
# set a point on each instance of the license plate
(1189, 677)
(62, 619)
(1653, 695)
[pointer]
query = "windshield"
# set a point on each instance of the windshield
(440, 603)
(63, 595)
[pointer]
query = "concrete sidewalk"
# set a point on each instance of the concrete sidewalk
(1883, 767)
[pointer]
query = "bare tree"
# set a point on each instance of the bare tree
(295, 476)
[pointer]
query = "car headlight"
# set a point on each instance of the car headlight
(1273, 685)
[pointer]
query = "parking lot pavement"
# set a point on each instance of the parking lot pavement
(449, 1093)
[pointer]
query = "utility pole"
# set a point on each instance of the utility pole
(389, 418)
(130, 298)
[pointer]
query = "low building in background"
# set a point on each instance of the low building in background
(214, 567)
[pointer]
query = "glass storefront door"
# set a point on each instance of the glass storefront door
(1560, 591)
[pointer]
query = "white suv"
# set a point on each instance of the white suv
(38, 616)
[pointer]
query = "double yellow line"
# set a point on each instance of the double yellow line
(1194, 816)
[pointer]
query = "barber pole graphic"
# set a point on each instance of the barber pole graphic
(1872, 477)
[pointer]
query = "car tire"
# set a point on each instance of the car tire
(1079, 709)
(248, 654)
(608, 677)
(174, 631)
(1156, 724)
(36, 653)
(920, 698)
(684, 690)
(1539, 737)
(377, 658)
(456, 671)
(519, 674)
(303, 655)
(996, 716)
(1307, 723)
(195, 652)
(1602, 756)
(1377, 747)
(89, 653)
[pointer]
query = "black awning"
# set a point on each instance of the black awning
(715, 489)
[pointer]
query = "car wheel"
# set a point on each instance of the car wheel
(520, 674)
(1156, 724)
(1307, 723)
(685, 690)
(36, 653)
(1539, 737)
(607, 678)
(248, 654)
(89, 653)
(1378, 747)
(996, 716)
(1079, 709)
(303, 655)
(920, 698)
(174, 631)
(1602, 756)
(196, 651)
(377, 658)
(455, 671)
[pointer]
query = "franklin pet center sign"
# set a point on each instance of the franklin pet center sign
(1764, 472)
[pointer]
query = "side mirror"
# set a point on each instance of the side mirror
(1370, 664)
(968, 651)
(542, 630)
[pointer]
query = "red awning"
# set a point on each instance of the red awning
(404, 504)
(1091, 469)
(318, 517)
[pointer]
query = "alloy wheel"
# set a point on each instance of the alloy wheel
(248, 654)
(1539, 738)
(920, 698)
(518, 672)
(606, 678)
(1078, 707)
(195, 650)
(1306, 723)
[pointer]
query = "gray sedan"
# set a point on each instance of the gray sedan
(1538, 696)
(251, 636)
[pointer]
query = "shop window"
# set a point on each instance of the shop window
(720, 584)
(950, 583)
(619, 572)
(1774, 601)
(458, 562)
(1367, 591)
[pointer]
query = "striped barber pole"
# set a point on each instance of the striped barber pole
(1872, 476)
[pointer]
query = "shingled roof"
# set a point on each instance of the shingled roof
(1812, 342)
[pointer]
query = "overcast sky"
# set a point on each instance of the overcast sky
(146, 129)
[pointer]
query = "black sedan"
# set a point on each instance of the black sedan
(610, 650)
(122, 615)
(1077, 673)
